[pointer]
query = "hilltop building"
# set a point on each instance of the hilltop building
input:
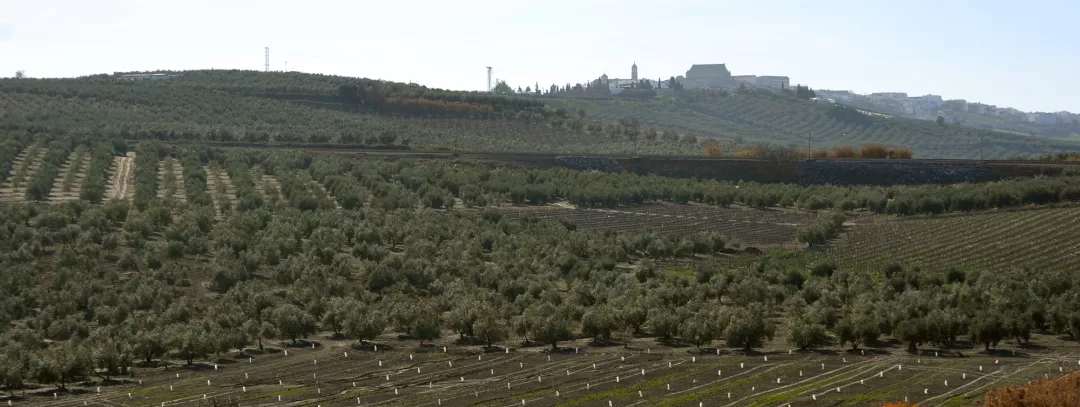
(700, 76)
(717, 76)
(617, 85)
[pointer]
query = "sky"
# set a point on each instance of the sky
(1024, 55)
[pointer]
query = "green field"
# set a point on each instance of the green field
(171, 273)
(746, 118)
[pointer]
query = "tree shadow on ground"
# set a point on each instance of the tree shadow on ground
(370, 346)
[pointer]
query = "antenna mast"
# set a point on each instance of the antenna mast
(266, 66)
(489, 79)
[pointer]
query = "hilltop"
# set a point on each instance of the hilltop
(291, 107)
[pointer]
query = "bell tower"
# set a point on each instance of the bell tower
(633, 71)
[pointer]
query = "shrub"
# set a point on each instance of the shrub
(1059, 391)
(874, 150)
(845, 152)
(900, 153)
(821, 230)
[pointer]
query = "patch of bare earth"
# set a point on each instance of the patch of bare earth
(121, 177)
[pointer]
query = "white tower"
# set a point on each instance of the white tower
(489, 79)
(266, 66)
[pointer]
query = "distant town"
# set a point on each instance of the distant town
(925, 107)
(930, 107)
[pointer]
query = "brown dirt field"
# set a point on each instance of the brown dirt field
(121, 178)
(335, 373)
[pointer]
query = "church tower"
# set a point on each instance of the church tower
(633, 72)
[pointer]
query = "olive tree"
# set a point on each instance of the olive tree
(292, 322)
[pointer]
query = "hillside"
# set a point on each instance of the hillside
(749, 117)
(296, 108)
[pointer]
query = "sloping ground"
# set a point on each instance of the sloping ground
(121, 177)
(24, 167)
(749, 118)
(752, 227)
(171, 180)
(68, 183)
(996, 241)
(221, 190)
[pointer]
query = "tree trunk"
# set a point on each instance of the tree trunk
(987, 345)
(554, 345)
(260, 344)
(912, 347)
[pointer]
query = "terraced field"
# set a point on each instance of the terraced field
(69, 182)
(998, 241)
(266, 185)
(23, 168)
(171, 180)
(337, 374)
(752, 227)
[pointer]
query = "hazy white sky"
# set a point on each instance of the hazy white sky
(1009, 53)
